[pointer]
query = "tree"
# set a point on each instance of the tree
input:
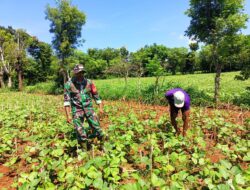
(121, 66)
(155, 69)
(137, 70)
(109, 53)
(8, 55)
(212, 21)
(39, 70)
(66, 24)
(191, 58)
(205, 59)
(23, 41)
(244, 57)
(144, 55)
(5, 38)
(176, 59)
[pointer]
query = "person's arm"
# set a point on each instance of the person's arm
(97, 97)
(173, 116)
(101, 108)
(169, 94)
(186, 114)
(67, 106)
(67, 112)
(185, 118)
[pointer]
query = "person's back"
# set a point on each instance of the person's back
(179, 99)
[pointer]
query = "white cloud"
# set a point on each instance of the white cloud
(186, 39)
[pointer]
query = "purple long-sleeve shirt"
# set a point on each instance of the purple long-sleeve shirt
(170, 97)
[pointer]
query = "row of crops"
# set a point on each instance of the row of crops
(141, 151)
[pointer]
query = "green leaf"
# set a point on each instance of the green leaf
(50, 186)
(87, 181)
(201, 161)
(70, 177)
(191, 179)
(223, 187)
(92, 174)
(174, 156)
(98, 183)
(224, 172)
(34, 182)
(246, 158)
(195, 161)
(183, 175)
(114, 171)
(235, 170)
(11, 162)
(156, 181)
(226, 164)
(169, 168)
(175, 185)
(239, 179)
(131, 186)
(32, 176)
(80, 185)
(58, 152)
(209, 182)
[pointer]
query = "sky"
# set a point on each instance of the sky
(110, 23)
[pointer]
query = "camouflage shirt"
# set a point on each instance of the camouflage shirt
(79, 94)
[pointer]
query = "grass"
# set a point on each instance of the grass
(199, 86)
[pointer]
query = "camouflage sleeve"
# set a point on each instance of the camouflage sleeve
(95, 93)
(66, 94)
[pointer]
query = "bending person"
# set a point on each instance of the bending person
(179, 99)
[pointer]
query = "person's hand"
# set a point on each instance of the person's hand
(101, 112)
(69, 120)
(184, 133)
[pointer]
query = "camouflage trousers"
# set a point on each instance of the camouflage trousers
(93, 130)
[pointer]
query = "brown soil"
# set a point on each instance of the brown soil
(215, 156)
(244, 165)
(7, 179)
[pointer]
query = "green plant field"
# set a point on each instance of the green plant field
(141, 151)
(199, 86)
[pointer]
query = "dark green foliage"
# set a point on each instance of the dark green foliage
(39, 69)
(244, 57)
(244, 99)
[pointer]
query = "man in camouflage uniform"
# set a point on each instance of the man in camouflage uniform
(77, 97)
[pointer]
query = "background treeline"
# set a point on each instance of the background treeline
(25, 59)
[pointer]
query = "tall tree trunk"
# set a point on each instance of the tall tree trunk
(20, 80)
(19, 73)
(68, 75)
(218, 67)
(217, 83)
(9, 81)
(2, 85)
(126, 79)
(64, 73)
